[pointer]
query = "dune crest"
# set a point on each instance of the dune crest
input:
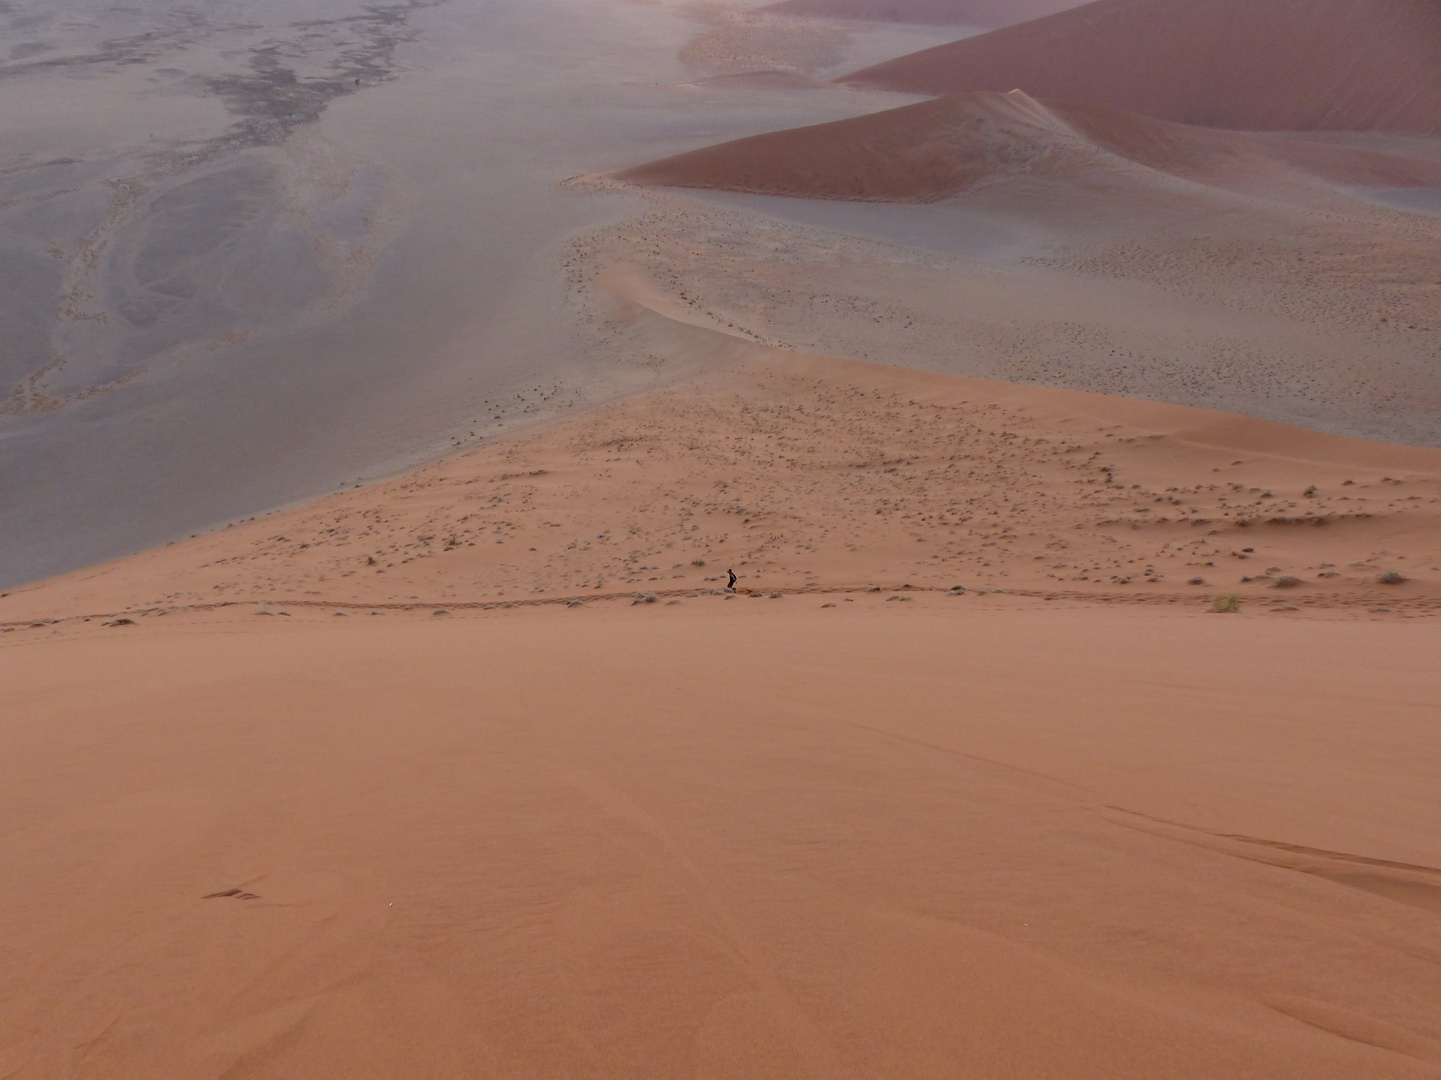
(815, 474)
(1255, 65)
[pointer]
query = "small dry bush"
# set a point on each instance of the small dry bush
(1225, 605)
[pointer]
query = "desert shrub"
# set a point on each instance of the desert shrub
(1225, 605)
(1390, 577)
(1285, 581)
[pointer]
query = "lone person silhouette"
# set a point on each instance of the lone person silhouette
(732, 584)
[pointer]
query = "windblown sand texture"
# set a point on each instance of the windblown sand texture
(986, 13)
(1257, 65)
(846, 823)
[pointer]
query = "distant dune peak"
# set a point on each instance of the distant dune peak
(1253, 65)
(983, 13)
(940, 148)
(917, 153)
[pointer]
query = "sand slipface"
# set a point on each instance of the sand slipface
(1259, 65)
(987, 13)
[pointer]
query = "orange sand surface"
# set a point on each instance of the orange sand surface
(1273, 65)
(807, 474)
(1048, 733)
(1063, 823)
(750, 840)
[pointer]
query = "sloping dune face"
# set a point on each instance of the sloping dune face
(935, 149)
(1256, 65)
(918, 153)
(833, 474)
(988, 13)
(1059, 823)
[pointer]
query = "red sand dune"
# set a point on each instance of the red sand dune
(1256, 65)
(918, 153)
(989, 13)
(934, 149)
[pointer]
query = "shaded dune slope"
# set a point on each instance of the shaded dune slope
(939, 148)
(988, 13)
(1255, 65)
(1207, 154)
(918, 153)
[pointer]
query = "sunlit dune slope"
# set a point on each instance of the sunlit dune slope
(961, 836)
(547, 802)
(988, 13)
(934, 149)
(1326, 65)
(809, 474)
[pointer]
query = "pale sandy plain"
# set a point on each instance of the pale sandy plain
(478, 771)
(252, 252)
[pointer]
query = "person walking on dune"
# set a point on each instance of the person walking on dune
(732, 584)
